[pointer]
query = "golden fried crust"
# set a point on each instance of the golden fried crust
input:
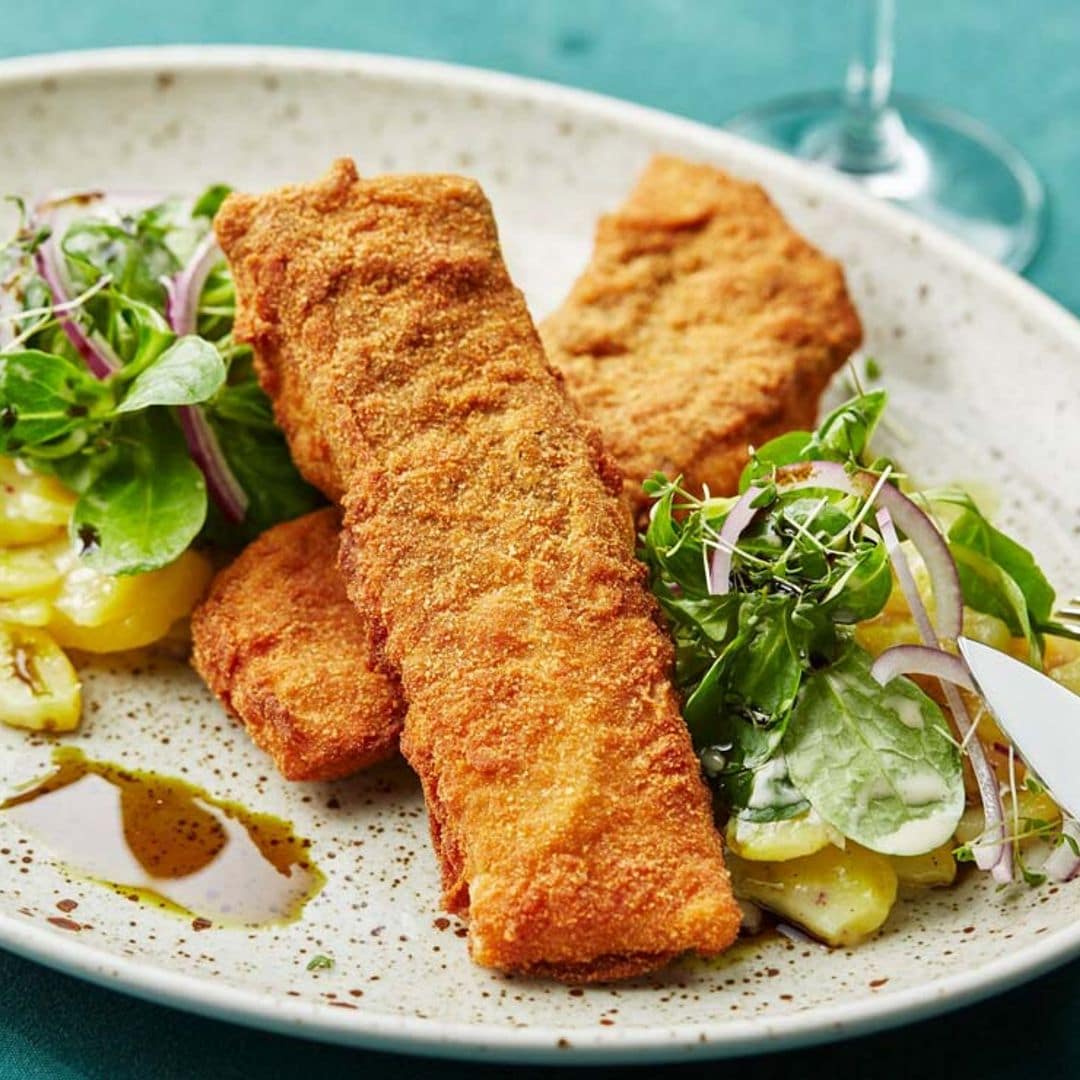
(666, 194)
(704, 323)
(484, 537)
(279, 643)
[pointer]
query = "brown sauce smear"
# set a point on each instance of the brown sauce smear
(168, 840)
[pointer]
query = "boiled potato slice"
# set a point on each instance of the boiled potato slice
(100, 614)
(1030, 805)
(776, 841)
(838, 896)
(31, 570)
(1068, 675)
(937, 867)
(1060, 651)
(988, 629)
(971, 825)
(886, 630)
(39, 689)
(26, 611)
(33, 507)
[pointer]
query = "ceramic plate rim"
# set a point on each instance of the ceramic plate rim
(490, 1042)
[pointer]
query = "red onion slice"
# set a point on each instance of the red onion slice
(206, 452)
(923, 533)
(57, 211)
(93, 348)
(184, 290)
(904, 576)
(181, 311)
(921, 660)
(739, 517)
(993, 854)
(1063, 864)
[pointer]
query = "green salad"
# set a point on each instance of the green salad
(119, 374)
(765, 593)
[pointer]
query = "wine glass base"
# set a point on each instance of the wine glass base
(942, 165)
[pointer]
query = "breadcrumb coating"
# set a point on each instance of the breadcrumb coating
(278, 641)
(485, 538)
(704, 324)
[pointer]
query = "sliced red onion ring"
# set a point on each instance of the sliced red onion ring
(922, 532)
(182, 299)
(992, 854)
(92, 347)
(206, 452)
(1063, 864)
(904, 576)
(184, 290)
(57, 211)
(181, 311)
(921, 660)
(739, 517)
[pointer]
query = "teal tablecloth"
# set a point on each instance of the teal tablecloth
(1014, 65)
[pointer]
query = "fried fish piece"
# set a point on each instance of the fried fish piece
(485, 538)
(703, 324)
(278, 641)
(738, 257)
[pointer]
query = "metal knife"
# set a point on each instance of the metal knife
(1040, 716)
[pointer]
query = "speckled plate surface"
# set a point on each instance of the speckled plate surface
(985, 374)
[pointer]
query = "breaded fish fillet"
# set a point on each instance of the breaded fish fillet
(278, 641)
(703, 324)
(768, 290)
(484, 535)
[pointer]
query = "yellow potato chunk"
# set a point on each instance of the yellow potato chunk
(988, 629)
(33, 507)
(838, 896)
(886, 630)
(26, 611)
(98, 613)
(934, 868)
(1068, 675)
(971, 826)
(1060, 651)
(31, 570)
(776, 841)
(1031, 806)
(39, 689)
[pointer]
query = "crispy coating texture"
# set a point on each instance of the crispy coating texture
(484, 535)
(637, 341)
(279, 643)
(703, 324)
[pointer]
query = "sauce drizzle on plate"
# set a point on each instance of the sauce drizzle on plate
(168, 841)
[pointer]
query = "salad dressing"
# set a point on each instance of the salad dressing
(906, 709)
(168, 841)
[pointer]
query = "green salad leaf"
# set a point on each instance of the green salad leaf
(998, 575)
(188, 372)
(149, 503)
(115, 440)
(878, 764)
(44, 400)
(842, 436)
(778, 698)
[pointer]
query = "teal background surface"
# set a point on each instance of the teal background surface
(1013, 65)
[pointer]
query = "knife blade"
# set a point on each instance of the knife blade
(1040, 716)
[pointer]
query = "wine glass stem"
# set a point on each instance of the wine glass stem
(871, 134)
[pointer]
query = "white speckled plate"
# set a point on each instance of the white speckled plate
(985, 374)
